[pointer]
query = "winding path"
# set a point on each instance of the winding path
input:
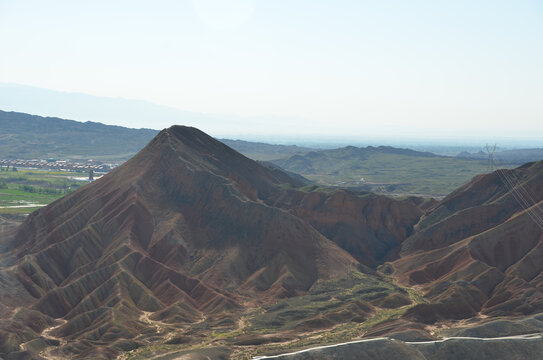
(47, 334)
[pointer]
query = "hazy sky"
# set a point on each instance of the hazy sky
(415, 68)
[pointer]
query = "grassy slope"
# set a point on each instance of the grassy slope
(385, 172)
(287, 318)
(263, 151)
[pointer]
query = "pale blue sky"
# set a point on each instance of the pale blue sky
(406, 68)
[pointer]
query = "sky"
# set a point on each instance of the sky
(399, 68)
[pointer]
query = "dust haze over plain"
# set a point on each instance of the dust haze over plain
(247, 67)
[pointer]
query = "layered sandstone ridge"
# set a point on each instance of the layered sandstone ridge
(187, 233)
(479, 251)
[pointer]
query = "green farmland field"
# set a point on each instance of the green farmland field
(24, 191)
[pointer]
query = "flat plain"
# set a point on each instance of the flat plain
(24, 191)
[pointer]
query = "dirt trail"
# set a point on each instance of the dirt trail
(514, 337)
(47, 353)
(158, 325)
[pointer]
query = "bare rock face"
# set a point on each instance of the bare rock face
(370, 227)
(480, 250)
(187, 232)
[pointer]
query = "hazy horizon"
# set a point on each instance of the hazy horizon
(81, 107)
(390, 71)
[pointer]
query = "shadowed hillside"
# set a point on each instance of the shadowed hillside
(184, 238)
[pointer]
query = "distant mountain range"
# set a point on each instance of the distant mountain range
(381, 169)
(263, 151)
(24, 136)
(515, 156)
(127, 112)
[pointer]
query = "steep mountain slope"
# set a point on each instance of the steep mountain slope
(185, 236)
(370, 227)
(479, 251)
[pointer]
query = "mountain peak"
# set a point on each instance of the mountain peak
(190, 135)
(191, 139)
(190, 231)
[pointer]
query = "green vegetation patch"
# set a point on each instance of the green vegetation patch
(333, 311)
(328, 303)
(24, 191)
(385, 171)
(367, 287)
